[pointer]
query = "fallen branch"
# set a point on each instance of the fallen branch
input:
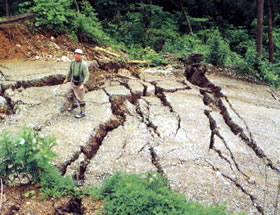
(277, 198)
(2, 193)
(119, 56)
(139, 62)
(106, 51)
(18, 18)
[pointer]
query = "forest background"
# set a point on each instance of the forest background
(243, 35)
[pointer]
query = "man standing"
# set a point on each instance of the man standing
(78, 75)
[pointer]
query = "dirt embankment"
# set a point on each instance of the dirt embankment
(18, 41)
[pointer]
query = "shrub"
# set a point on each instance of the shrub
(52, 15)
(238, 39)
(218, 50)
(87, 24)
(147, 194)
(148, 54)
(27, 157)
(146, 25)
(59, 17)
(55, 185)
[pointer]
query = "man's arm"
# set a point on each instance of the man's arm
(68, 76)
(85, 73)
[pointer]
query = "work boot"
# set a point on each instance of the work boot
(80, 115)
(82, 111)
(72, 107)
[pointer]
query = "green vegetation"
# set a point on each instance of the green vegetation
(147, 194)
(26, 158)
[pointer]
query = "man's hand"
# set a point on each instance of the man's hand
(65, 81)
(81, 87)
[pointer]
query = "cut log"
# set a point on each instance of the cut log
(17, 18)
(117, 55)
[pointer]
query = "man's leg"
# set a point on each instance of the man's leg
(72, 98)
(82, 110)
(73, 105)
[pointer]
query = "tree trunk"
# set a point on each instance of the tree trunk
(77, 6)
(7, 8)
(270, 39)
(260, 27)
(186, 17)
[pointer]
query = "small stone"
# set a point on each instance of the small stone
(20, 89)
(65, 59)
(3, 101)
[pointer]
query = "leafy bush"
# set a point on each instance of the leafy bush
(238, 39)
(55, 185)
(145, 195)
(59, 17)
(27, 157)
(148, 54)
(144, 25)
(256, 68)
(88, 25)
(218, 50)
(52, 15)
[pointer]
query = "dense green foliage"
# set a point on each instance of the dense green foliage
(27, 158)
(146, 195)
(152, 29)
(25, 155)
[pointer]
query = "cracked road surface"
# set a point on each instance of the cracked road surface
(217, 141)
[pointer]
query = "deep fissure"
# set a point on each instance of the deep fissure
(155, 160)
(239, 186)
(215, 132)
(160, 94)
(74, 206)
(197, 76)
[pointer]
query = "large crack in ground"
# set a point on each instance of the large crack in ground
(135, 100)
(239, 186)
(50, 80)
(197, 77)
(96, 140)
(146, 119)
(218, 103)
(212, 97)
(119, 117)
(160, 93)
(215, 132)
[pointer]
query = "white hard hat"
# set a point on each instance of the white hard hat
(78, 51)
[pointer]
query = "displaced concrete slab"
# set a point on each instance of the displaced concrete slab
(117, 90)
(171, 85)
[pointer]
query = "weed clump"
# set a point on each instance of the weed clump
(26, 159)
(147, 194)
